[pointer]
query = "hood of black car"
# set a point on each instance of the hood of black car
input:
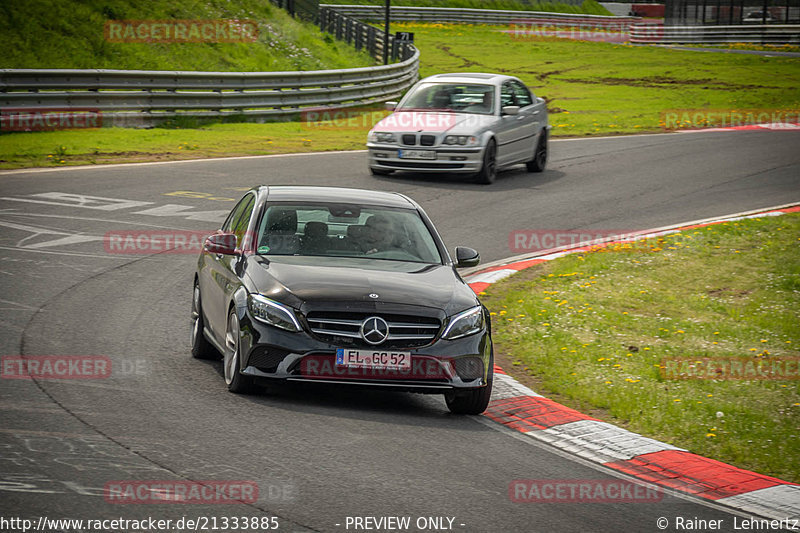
(310, 282)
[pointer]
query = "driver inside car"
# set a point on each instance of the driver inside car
(379, 235)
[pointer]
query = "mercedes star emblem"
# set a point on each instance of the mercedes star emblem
(374, 330)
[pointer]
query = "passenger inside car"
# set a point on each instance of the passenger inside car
(315, 238)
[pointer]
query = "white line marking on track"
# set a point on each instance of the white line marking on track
(78, 200)
(76, 254)
(92, 219)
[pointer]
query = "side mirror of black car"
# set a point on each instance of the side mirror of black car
(221, 243)
(466, 257)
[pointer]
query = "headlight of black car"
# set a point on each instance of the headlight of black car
(463, 324)
(272, 313)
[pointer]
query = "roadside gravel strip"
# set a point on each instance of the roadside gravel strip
(521, 409)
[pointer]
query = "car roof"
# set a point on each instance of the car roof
(291, 193)
(470, 77)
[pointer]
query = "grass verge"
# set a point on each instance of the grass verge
(596, 331)
(592, 88)
(119, 145)
(70, 34)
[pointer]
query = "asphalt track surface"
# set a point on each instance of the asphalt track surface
(318, 454)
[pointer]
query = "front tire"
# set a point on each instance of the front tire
(472, 402)
(488, 172)
(236, 381)
(539, 161)
(201, 348)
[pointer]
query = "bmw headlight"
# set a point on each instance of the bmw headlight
(463, 324)
(272, 313)
(382, 137)
(463, 140)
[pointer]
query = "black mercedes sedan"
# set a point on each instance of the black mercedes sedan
(341, 286)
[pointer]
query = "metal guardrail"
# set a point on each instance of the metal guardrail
(638, 31)
(649, 33)
(475, 16)
(360, 35)
(141, 98)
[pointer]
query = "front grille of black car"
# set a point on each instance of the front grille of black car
(409, 140)
(267, 358)
(344, 329)
(427, 140)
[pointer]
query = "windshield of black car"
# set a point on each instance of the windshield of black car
(336, 230)
(457, 97)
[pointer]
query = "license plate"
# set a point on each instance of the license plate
(373, 359)
(416, 154)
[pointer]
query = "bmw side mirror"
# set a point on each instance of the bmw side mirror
(466, 257)
(510, 110)
(390, 106)
(221, 243)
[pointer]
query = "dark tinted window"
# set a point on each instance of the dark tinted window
(332, 230)
(239, 218)
(507, 96)
(522, 93)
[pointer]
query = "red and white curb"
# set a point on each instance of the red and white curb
(519, 408)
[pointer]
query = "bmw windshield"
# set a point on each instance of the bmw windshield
(456, 97)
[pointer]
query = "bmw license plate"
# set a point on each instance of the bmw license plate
(416, 154)
(373, 359)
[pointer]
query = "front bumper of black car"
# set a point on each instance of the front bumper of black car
(272, 353)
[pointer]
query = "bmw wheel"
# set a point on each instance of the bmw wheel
(488, 172)
(539, 161)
